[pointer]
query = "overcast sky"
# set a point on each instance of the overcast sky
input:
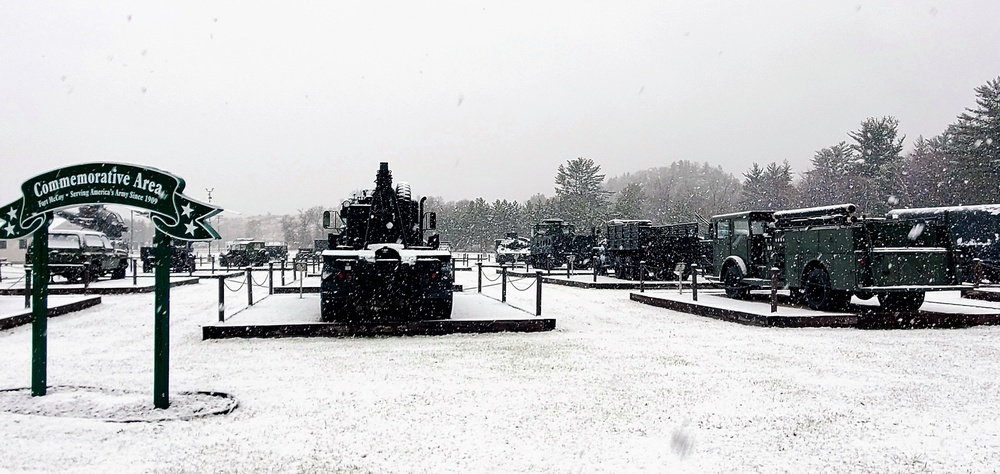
(281, 106)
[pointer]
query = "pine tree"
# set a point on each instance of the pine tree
(629, 203)
(974, 146)
(582, 199)
(877, 165)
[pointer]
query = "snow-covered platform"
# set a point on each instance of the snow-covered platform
(144, 284)
(288, 315)
(13, 313)
(940, 309)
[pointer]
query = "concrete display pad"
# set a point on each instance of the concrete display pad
(104, 286)
(293, 316)
(13, 313)
(945, 309)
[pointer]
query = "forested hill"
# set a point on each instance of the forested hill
(676, 192)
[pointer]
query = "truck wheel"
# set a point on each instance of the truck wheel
(732, 279)
(819, 293)
(904, 301)
(119, 273)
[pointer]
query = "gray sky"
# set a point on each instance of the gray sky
(281, 106)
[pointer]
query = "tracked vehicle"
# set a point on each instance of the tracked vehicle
(827, 254)
(378, 267)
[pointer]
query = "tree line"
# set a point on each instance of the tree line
(960, 166)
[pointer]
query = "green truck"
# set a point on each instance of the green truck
(825, 255)
(74, 254)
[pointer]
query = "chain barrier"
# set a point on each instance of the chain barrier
(226, 282)
(491, 279)
(16, 282)
(255, 281)
(533, 281)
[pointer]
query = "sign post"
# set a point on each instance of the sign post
(174, 215)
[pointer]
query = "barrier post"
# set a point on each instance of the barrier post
(282, 273)
(249, 287)
(27, 288)
(86, 276)
(977, 272)
(135, 274)
(301, 279)
(212, 258)
(538, 292)
(503, 284)
(774, 289)
(694, 281)
(222, 299)
(270, 278)
(569, 267)
(642, 276)
(479, 286)
(595, 269)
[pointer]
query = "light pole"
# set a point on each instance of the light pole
(209, 191)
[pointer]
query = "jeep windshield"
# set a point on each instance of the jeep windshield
(64, 241)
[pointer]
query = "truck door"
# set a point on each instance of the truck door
(722, 242)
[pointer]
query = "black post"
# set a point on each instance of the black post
(212, 258)
(270, 278)
(479, 286)
(503, 285)
(135, 274)
(86, 276)
(694, 281)
(569, 269)
(538, 292)
(774, 289)
(161, 321)
(27, 287)
(977, 272)
(249, 287)
(594, 262)
(552, 261)
(222, 299)
(642, 276)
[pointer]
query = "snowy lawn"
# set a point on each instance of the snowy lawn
(618, 386)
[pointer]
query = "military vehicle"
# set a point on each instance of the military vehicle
(71, 250)
(827, 254)
(276, 251)
(182, 257)
(975, 230)
(633, 245)
(378, 267)
(554, 243)
(244, 253)
(96, 217)
(512, 249)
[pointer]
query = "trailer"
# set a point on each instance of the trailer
(663, 252)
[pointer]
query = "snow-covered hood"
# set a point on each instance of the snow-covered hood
(408, 256)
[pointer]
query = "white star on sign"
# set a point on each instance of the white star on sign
(10, 229)
(190, 228)
(12, 213)
(187, 209)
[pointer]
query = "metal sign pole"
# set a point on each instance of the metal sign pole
(161, 321)
(40, 308)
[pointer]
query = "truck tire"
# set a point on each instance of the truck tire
(119, 273)
(732, 279)
(819, 293)
(902, 301)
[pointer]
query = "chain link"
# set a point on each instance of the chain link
(224, 282)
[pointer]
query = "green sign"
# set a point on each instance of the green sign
(146, 188)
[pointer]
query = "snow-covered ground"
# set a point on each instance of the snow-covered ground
(617, 387)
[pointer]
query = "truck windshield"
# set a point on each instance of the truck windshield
(93, 241)
(64, 241)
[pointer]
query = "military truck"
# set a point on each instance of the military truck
(71, 250)
(634, 245)
(244, 252)
(512, 249)
(554, 242)
(182, 257)
(975, 230)
(827, 254)
(276, 251)
(378, 267)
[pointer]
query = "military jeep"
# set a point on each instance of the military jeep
(72, 250)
